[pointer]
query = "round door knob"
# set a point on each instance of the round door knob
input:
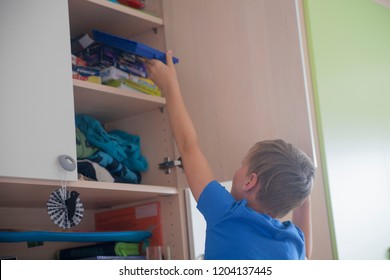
(67, 162)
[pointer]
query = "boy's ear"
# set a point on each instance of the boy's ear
(251, 182)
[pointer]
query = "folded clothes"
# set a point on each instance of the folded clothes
(118, 151)
(119, 171)
(84, 148)
(98, 137)
(132, 147)
(94, 171)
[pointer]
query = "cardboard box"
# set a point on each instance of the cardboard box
(142, 84)
(115, 77)
(131, 64)
(85, 73)
(125, 61)
(111, 74)
(80, 43)
(78, 61)
(92, 55)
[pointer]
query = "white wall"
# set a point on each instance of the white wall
(197, 224)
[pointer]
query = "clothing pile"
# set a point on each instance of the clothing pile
(113, 156)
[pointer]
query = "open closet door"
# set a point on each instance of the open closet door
(242, 79)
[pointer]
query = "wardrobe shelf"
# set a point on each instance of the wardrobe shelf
(28, 193)
(86, 15)
(110, 103)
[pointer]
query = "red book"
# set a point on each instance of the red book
(132, 3)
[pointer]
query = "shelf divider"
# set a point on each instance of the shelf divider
(109, 103)
(32, 193)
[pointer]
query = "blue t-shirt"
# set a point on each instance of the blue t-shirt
(236, 232)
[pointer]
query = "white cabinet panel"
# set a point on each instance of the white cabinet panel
(36, 95)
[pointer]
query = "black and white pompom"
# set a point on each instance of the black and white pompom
(65, 208)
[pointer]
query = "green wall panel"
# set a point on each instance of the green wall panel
(349, 46)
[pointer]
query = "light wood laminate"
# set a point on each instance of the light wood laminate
(109, 17)
(110, 103)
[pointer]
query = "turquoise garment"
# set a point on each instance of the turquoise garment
(131, 145)
(121, 173)
(98, 137)
(236, 232)
(123, 147)
(33, 236)
(83, 147)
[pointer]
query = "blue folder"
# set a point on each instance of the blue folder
(130, 46)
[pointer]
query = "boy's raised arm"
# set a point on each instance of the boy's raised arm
(196, 167)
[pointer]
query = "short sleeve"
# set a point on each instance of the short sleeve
(214, 202)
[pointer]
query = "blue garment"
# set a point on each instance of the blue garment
(98, 137)
(122, 146)
(120, 172)
(235, 231)
(83, 147)
(93, 170)
(131, 145)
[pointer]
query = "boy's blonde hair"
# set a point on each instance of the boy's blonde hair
(286, 175)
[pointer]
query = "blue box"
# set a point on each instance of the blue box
(124, 44)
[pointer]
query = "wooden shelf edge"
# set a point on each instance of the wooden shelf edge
(162, 190)
(130, 11)
(124, 187)
(34, 193)
(129, 93)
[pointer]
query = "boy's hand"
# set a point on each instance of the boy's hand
(163, 75)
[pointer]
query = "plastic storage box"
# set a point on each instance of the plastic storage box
(130, 46)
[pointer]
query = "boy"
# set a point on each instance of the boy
(275, 178)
